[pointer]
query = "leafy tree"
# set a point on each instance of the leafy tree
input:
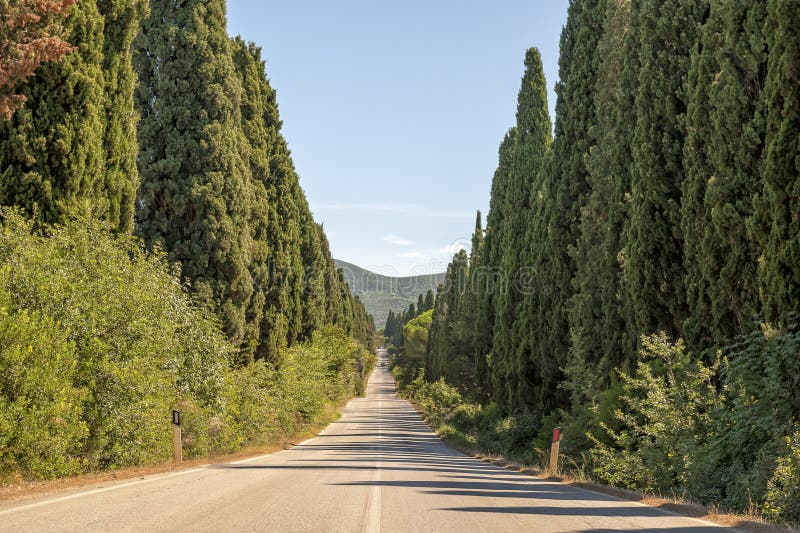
(415, 334)
(29, 36)
(41, 424)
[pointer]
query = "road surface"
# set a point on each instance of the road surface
(379, 468)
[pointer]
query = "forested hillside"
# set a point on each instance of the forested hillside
(156, 248)
(382, 294)
(638, 279)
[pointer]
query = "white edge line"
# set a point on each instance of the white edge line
(156, 477)
(96, 491)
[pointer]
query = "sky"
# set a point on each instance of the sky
(394, 112)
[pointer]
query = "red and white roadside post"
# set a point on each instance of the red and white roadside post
(553, 471)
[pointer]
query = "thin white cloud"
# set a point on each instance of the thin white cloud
(454, 247)
(411, 255)
(398, 241)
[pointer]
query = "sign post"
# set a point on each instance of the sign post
(177, 444)
(553, 471)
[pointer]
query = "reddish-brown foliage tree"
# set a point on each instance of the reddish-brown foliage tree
(28, 37)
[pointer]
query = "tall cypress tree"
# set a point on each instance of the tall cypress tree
(429, 300)
(668, 31)
(449, 354)
(314, 264)
(489, 280)
(778, 207)
(122, 23)
(597, 323)
(510, 349)
(52, 157)
(723, 159)
(476, 331)
(194, 199)
(334, 307)
(560, 199)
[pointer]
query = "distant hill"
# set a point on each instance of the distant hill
(381, 294)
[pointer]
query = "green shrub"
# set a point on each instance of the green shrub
(40, 408)
(140, 344)
(666, 420)
(782, 501)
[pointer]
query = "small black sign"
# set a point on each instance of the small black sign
(176, 417)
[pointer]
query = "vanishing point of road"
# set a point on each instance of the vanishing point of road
(378, 468)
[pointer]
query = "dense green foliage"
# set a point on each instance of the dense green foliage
(779, 202)
(637, 280)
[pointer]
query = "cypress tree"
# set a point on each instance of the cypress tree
(429, 300)
(449, 354)
(723, 159)
(478, 389)
(597, 318)
(52, 158)
(194, 199)
(493, 280)
(334, 312)
(122, 23)
(563, 195)
(668, 31)
(778, 207)
(314, 264)
(25, 43)
(510, 349)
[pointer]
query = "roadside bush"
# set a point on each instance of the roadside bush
(782, 502)
(99, 341)
(40, 408)
(140, 345)
(666, 420)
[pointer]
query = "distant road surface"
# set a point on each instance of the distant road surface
(379, 468)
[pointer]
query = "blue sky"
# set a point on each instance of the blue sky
(394, 112)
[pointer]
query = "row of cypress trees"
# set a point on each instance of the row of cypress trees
(162, 125)
(666, 200)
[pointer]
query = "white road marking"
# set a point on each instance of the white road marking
(132, 483)
(373, 523)
(97, 491)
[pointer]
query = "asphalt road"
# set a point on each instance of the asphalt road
(379, 468)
